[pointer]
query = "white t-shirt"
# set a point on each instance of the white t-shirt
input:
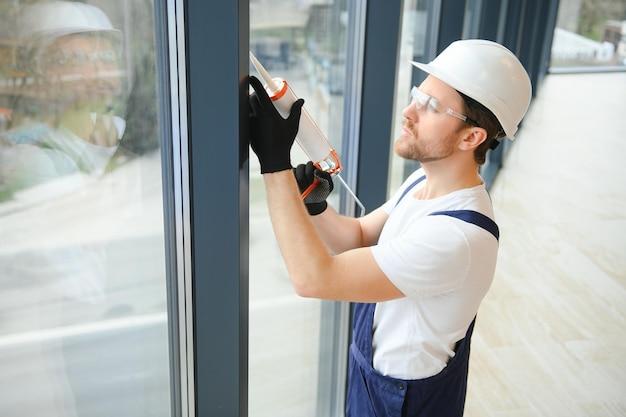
(443, 265)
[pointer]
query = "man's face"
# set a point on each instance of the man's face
(84, 68)
(427, 136)
(83, 74)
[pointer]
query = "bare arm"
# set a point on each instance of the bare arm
(352, 276)
(342, 233)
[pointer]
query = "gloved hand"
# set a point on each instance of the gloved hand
(271, 136)
(305, 175)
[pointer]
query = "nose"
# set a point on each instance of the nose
(410, 112)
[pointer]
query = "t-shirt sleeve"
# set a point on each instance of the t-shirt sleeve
(431, 257)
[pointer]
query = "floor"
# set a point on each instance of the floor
(551, 334)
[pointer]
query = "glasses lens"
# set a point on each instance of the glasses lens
(433, 105)
(420, 99)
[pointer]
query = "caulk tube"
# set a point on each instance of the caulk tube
(310, 137)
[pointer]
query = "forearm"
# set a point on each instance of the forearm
(304, 252)
(340, 233)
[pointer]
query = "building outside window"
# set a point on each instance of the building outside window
(590, 33)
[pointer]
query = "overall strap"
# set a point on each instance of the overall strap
(474, 217)
(362, 329)
(407, 189)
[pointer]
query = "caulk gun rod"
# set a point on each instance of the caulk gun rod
(358, 202)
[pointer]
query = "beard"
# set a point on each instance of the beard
(410, 147)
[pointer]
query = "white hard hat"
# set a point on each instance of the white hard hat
(490, 74)
(54, 19)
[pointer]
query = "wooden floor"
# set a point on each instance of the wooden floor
(551, 334)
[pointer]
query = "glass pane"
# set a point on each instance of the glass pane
(83, 322)
(590, 33)
(471, 19)
(305, 43)
(413, 47)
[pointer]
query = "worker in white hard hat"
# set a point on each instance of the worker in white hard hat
(419, 266)
(64, 128)
(66, 104)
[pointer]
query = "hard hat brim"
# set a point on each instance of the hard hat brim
(55, 34)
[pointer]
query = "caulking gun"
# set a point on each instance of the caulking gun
(310, 137)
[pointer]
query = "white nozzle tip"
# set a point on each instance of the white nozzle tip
(263, 73)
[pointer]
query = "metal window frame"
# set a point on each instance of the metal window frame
(491, 11)
(528, 28)
(549, 15)
(446, 25)
(430, 52)
(217, 115)
(510, 34)
(171, 87)
(474, 14)
(452, 17)
(600, 69)
(531, 32)
(512, 27)
(229, 27)
(353, 99)
(381, 52)
(504, 7)
(335, 323)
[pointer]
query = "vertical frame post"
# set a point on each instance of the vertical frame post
(217, 35)
(382, 41)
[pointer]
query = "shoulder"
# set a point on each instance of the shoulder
(30, 134)
(438, 233)
(430, 257)
(471, 222)
(459, 234)
(471, 210)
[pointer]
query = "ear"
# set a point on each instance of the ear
(472, 137)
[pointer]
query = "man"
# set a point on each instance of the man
(419, 265)
(62, 134)
(72, 84)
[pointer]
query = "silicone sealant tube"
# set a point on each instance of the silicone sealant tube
(310, 137)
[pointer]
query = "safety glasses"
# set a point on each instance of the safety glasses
(432, 105)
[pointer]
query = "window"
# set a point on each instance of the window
(83, 310)
(415, 45)
(304, 43)
(590, 33)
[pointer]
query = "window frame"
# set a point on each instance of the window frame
(218, 266)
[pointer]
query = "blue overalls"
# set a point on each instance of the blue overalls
(371, 394)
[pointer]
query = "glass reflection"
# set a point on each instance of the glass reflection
(83, 324)
(65, 101)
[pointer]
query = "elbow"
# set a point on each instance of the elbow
(304, 292)
(304, 287)
(310, 279)
(311, 284)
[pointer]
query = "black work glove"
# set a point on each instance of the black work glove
(305, 175)
(271, 136)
